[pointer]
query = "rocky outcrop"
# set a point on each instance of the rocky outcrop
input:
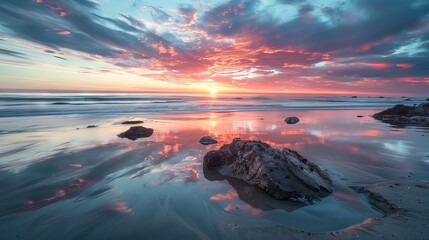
(282, 173)
(132, 122)
(403, 114)
(136, 132)
(292, 120)
(207, 140)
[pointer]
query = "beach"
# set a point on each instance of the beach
(63, 180)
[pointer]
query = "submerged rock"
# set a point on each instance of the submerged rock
(282, 173)
(207, 140)
(403, 114)
(136, 132)
(132, 122)
(292, 120)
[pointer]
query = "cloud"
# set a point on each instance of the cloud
(188, 13)
(238, 41)
(291, 1)
(88, 3)
(11, 53)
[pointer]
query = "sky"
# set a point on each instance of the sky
(237, 46)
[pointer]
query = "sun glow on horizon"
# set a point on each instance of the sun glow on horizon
(213, 90)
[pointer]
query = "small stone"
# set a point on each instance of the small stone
(292, 120)
(136, 132)
(207, 140)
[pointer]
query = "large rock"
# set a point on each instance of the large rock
(207, 140)
(136, 132)
(282, 173)
(403, 114)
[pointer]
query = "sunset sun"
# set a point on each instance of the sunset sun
(213, 90)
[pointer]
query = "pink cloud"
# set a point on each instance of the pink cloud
(230, 195)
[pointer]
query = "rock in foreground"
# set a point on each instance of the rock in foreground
(136, 132)
(292, 120)
(207, 140)
(282, 173)
(403, 114)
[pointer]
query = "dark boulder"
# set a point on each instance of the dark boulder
(282, 173)
(403, 114)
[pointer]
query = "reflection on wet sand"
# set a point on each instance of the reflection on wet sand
(253, 196)
(99, 175)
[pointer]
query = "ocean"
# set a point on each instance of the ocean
(14, 105)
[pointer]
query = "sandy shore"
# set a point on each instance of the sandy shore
(63, 180)
(410, 219)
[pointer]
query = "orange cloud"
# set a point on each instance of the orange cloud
(63, 32)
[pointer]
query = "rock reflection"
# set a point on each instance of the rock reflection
(253, 196)
(121, 207)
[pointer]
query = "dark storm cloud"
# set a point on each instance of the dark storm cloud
(30, 27)
(316, 35)
(75, 29)
(65, 25)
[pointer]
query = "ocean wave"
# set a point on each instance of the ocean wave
(41, 105)
(67, 99)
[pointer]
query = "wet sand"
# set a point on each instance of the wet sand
(61, 180)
